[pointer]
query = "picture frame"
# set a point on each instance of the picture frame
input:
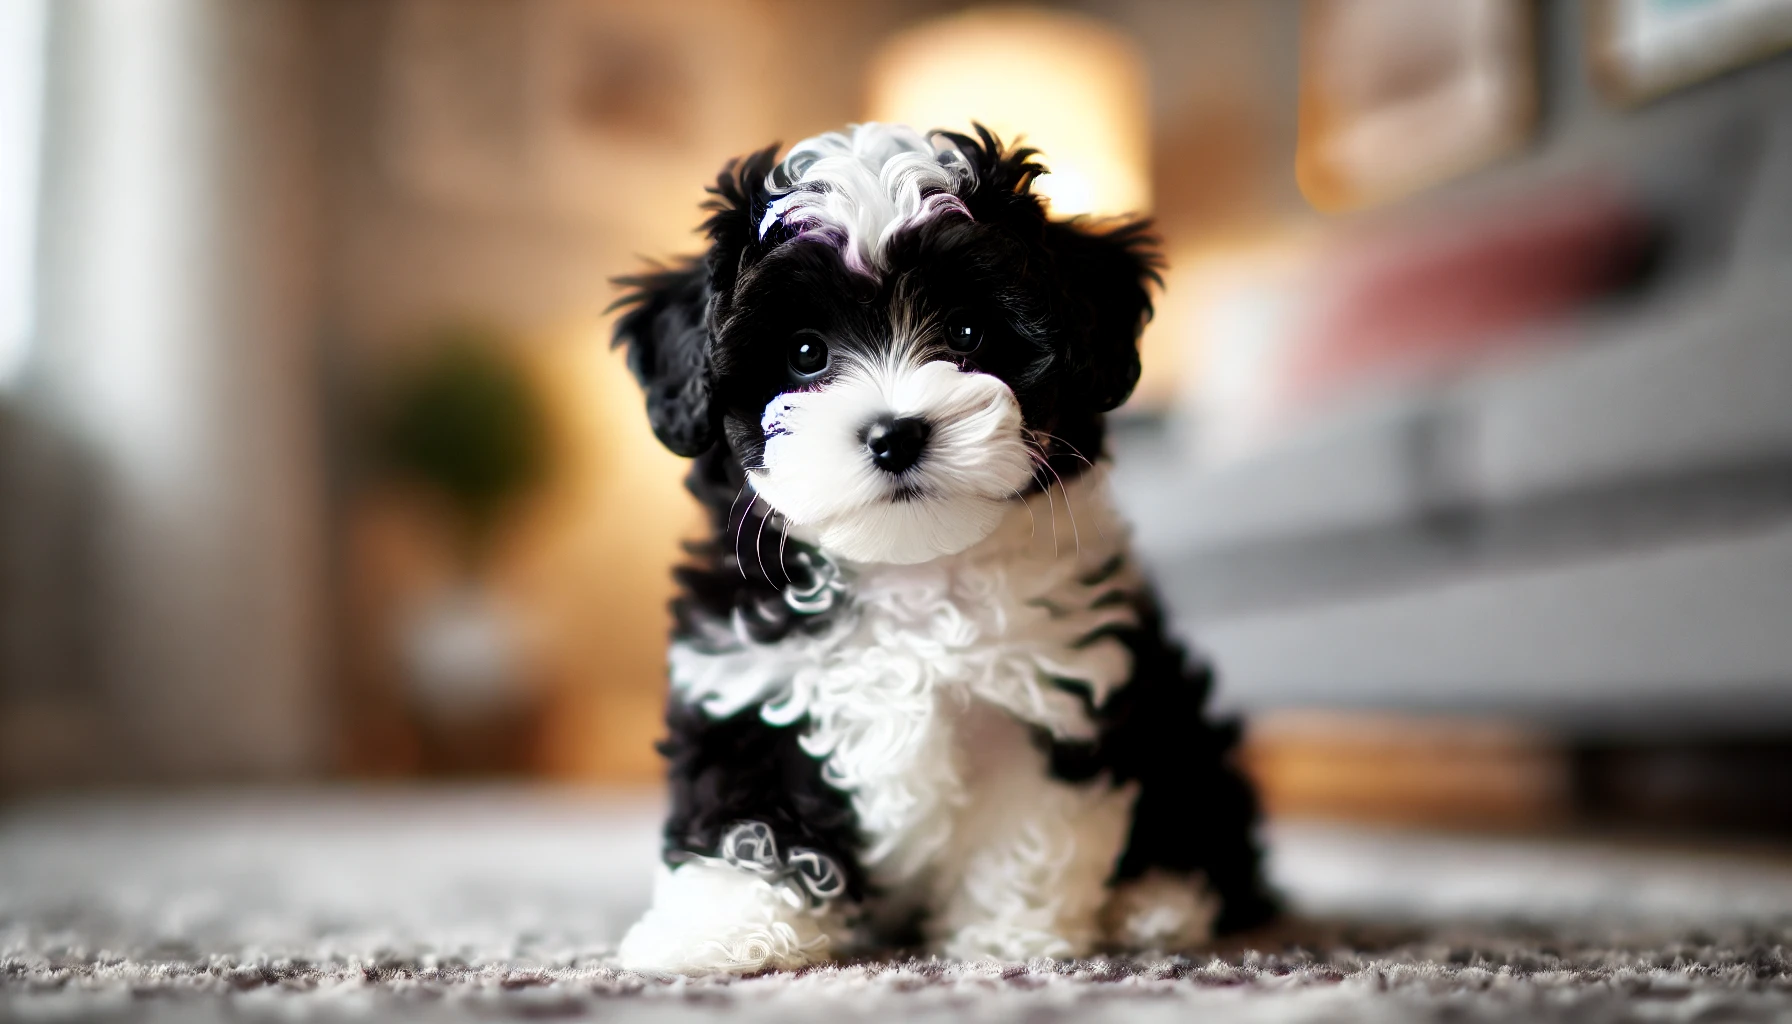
(1642, 49)
(1398, 95)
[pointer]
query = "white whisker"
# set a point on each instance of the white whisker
(1032, 520)
(742, 525)
(759, 545)
(1092, 469)
(1050, 502)
(1067, 447)
(782, 538)
(739, 495)
(1074, 532)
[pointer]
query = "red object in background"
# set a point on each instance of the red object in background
(1451, 290)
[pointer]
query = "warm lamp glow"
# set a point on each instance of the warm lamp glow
(1072, 86)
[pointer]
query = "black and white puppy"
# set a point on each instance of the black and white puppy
(920, 691)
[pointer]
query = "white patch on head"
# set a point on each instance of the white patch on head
(708, 916)
(861, 188)
(819, 474)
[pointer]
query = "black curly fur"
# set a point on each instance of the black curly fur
(1196, 812)
(729, 770)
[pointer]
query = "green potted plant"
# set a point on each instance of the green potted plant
(463, 425)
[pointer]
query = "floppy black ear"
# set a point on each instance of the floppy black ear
(668, 351)
(665, 324)
(1104, 274)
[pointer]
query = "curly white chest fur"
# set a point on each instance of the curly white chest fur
(920, 698)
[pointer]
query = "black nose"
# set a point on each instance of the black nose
(895, 444)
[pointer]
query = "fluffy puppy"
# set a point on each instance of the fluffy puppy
(920, 691)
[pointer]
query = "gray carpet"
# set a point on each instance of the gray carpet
(502, 905)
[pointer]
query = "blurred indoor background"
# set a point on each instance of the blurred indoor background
(1464, 447)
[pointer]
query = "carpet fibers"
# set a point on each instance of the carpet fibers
(504, 905)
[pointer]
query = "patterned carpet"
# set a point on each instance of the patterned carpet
(505, 904)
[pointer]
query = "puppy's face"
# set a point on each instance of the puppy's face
(890, 337)
(884, 414)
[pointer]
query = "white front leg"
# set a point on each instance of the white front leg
(713, 918)
(1031, 856)
(734, 915)
(1161, 912)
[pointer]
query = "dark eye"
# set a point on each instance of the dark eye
(963, 338)
(808, 355)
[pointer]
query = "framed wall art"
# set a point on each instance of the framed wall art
(1396, 95)
(1640, 49)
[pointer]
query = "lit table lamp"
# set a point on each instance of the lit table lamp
(1071, 85)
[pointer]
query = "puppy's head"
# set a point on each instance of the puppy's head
(890, 336)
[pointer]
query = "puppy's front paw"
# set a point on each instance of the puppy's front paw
(1009, 943)
(710, 918)
(1161, 911)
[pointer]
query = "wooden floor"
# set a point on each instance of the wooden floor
(1447, 772)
